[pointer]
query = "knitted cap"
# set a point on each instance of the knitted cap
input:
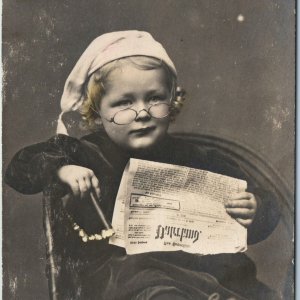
(104, 49)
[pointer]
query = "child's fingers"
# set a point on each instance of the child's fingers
(242, 207)
(88, 183)
(246, 223)
(81, 180)
(82, 187)
(95, 185)
(75, 188)
(243, 203)
(243, 213)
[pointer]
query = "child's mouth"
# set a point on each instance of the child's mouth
(143, 131)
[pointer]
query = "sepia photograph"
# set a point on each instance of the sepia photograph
(148, 149)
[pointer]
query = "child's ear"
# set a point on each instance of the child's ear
(177, 103)
(180, 94)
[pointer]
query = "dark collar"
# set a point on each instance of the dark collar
(118, 157)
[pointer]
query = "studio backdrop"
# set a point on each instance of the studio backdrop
(235, 59)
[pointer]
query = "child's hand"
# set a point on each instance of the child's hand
(81, 180)
(242, 207)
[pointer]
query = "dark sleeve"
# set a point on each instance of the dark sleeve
(33, 168)
(268, 213)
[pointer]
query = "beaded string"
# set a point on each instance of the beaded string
(105, 233)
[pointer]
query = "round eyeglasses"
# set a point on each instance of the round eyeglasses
(128, 115)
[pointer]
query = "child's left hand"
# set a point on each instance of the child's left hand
(242, 207)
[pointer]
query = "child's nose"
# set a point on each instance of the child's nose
(142, 110)
(141, 105)
(143, 115)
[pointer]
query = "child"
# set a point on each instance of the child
(125, 83)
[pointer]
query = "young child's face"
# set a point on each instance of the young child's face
(130, 87)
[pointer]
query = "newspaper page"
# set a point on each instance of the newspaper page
(163, 207)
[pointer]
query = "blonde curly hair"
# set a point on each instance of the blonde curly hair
(95, 88)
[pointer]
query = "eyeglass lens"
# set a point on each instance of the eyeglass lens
(127, 116)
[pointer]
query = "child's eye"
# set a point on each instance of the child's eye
(123, 103)
(156, 99)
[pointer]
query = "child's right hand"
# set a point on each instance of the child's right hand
(81, 180)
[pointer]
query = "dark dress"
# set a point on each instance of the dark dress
(97, 270)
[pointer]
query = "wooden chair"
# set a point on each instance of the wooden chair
(257, 167)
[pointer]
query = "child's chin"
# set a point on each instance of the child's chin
(142, 144)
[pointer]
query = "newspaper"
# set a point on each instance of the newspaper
(163, 207)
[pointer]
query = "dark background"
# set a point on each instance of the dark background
(239, 77)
